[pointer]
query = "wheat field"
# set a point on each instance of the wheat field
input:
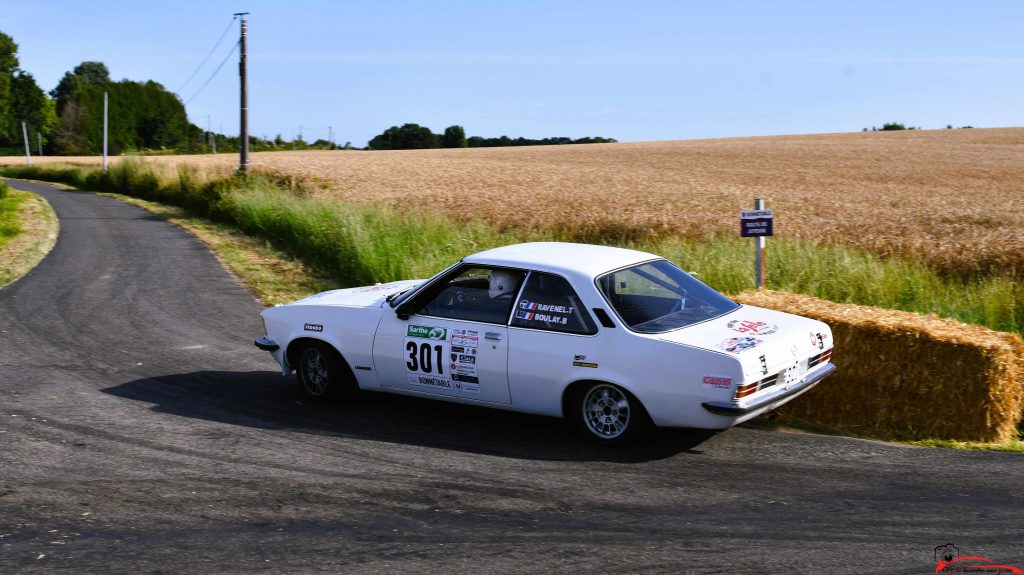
(950, 198)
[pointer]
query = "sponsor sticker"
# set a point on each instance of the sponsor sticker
(717, 382)
(313, 327)
(466, 387)
(426, 332)
(739, 344)
(429, 381)
(438, 357)
(584, 364)
(465, 338)
(752, 327)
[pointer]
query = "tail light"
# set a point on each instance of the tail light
(819, 359)
(752, 388)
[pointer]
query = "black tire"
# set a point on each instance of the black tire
(323, 374)
(606, 414)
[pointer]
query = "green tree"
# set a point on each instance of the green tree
(84, 74)
(454, 137)
(21, 100)
(8, 64)
(143, 115)
(31, 105)
(407, 137)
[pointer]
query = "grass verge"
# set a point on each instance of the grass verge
(28, 231)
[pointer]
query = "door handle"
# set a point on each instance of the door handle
(492, 335)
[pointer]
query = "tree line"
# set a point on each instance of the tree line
(416, 137)
(69, 119)
(143, 116)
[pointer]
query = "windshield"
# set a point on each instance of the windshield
(657, 297)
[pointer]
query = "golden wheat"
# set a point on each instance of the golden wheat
(948, 197)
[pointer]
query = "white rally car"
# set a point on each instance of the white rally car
(613, 339)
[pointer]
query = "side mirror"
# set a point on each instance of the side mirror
(402, 311)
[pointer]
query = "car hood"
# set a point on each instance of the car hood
(367, 296)
(751, 333)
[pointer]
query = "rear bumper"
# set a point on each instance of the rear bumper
(266, 344)
(763, 404)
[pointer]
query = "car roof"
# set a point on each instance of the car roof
(562, 258)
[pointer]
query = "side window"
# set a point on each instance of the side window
(476, 294)
(549, 302)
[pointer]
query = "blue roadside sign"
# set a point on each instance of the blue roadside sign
(756, 223)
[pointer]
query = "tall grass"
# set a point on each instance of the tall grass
(361, 244)
(846, 275)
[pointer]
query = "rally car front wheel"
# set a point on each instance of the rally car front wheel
(323, 374)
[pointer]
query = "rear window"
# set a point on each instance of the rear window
(657, 296)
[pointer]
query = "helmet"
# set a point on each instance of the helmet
(501, 283)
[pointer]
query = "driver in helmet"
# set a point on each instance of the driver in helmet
(502, 285)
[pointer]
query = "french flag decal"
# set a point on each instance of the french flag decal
(526, 315)
(526, 304)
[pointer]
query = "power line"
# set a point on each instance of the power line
(208, 54)
(219, 66)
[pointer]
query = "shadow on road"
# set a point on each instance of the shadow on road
(266, 400)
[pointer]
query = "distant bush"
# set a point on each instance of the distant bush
(3, 190)
(891, 127)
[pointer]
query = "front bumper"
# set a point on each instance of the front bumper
(266, 344)
(729, 408)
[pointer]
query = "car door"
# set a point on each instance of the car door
(454, 342)
(554, 341)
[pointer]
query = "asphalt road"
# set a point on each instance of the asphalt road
(141, 432)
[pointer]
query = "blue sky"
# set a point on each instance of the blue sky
(634, 71)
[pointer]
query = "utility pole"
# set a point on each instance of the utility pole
(243, 165)
(24, 132)
(104, 131)
(330, 134)
(209, 133)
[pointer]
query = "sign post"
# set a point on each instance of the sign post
(757, 224)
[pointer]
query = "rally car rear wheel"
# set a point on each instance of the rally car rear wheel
(323, 374)
(608, 414)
